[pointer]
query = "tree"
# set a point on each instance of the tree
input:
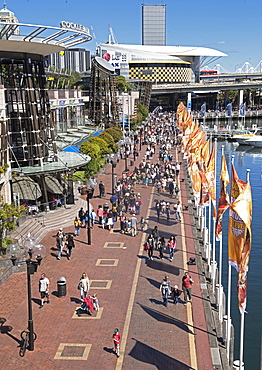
(115, 132)
(122, 85)
(110, 141)
(90, 149)
(8, 215)
(103, 145)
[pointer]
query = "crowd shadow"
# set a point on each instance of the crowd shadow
(75, 300)
(146, 354)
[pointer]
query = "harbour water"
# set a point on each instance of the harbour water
(246, 158)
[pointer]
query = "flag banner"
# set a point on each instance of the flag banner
(243, 207)
(242, 110)
(203, 110)
(195, 178)
(229, 110)
(204, 193)
(236, 226)
(223, 201)
(210, 176)
(205, 153)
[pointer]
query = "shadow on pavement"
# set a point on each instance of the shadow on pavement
(144, 353)
(76, 300)
(6, 329)
(37, 301)
(163, 317)
(109, 350)
(161, 266)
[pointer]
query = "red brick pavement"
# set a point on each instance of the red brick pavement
(157, 335)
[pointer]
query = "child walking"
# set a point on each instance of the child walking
(95, 302)
(116, 338)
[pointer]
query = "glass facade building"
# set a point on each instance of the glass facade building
(154, 24)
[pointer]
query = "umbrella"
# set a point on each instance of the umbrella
(26, 187)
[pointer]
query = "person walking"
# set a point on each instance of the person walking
(77, 226)
(158, 209)
(60, 242)
(81, 215)
(70, 244)
(101, 189)
(99, 213)
(171, 246)
(165, 290)
(44, 289)
(143, 223)
(177, 209)
(155, 234)
(116, 338)
(187, 287)
(134, 223)
(161, 246)
(175, 294)
(84, 285)
(150, 251)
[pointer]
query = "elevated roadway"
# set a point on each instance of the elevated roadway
(205, 87)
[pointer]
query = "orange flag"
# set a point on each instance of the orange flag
(223, 202)
(210, 176)
(239, 233)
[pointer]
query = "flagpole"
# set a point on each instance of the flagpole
(220, 301)
(242, 322)
(209, 210)
(229, 293)
(214, 223)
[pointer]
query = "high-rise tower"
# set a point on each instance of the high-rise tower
(154, 24)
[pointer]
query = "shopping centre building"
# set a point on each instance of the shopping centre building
(32, 163)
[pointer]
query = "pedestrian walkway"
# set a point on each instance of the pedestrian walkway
(127, 285)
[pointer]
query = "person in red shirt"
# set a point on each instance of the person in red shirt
(187, 287)
(116, 338)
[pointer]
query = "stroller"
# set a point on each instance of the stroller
(87, 305)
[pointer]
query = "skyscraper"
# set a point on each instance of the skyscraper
(154, 24)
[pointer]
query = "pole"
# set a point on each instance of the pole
(30, 311)
(88, 222)
(229, 296)
(242, 321)
(125, 158)
(220, 267)
(113, 186)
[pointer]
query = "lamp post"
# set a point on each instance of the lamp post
(89, 194)
(38, 252)
(113, 179)
(140, 141)
(125, 157)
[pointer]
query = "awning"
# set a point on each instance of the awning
(72, 149)
(53, 185)
(26, 187)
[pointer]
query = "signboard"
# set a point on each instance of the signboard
(74, 27)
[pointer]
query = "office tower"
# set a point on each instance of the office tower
(154, 24)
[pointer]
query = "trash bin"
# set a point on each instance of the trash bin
(61, 287)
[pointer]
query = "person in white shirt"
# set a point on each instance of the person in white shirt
(44, 289)
(177, 208)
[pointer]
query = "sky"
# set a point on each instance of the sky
(231, 26)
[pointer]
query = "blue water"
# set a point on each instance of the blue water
(246, 158)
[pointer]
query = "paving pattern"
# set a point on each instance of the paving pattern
(127, 285)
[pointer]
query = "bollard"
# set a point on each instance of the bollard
(61, 287)
(236, 365)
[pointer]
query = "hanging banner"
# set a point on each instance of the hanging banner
(243, 207)
(223, 202)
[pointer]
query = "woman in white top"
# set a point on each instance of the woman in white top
(84, 285)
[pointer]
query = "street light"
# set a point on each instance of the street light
(125, 157)
(113, 179)
(36, 251)
(140, 138)
(89, 195)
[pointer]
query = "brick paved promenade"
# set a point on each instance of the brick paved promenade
(127, 284)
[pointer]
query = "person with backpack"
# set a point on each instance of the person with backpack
(165, 290)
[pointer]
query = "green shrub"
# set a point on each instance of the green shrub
(115, 132)
(103, 145)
